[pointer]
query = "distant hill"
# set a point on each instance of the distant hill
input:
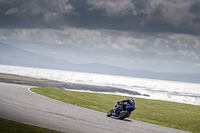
(10, 55)
(107, 69)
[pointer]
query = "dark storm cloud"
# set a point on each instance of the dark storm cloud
(146, 16)
(195, 8)
(180, 16)
(34, 14)
(114, 15)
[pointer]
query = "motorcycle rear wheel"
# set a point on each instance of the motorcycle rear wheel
(123, 114)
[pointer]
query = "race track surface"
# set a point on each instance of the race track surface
(19, 104)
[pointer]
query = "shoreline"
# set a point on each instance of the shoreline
(16, 79)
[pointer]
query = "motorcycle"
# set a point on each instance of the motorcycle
(122, 111)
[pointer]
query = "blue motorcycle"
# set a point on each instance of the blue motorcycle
(121, 110)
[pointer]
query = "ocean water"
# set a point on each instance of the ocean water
(181, 92)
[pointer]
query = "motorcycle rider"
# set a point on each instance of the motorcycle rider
(122, 104)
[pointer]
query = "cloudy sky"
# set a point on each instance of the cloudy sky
(157, 35)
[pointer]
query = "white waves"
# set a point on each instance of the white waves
(157, 89)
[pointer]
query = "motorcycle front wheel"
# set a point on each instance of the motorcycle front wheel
(109, 114)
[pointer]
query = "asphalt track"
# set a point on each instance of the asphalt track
(19, 104)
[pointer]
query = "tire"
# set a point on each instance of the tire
(109, 114)
(123, 114)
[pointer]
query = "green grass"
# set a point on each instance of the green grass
(7, 126)
(170, 114)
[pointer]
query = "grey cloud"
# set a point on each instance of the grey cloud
(38, 6)
(34, 14)
(195, 8)
(144, 16)
(177, 13)
(6, 1)
(171, 45)
(12, 11)
(45, 6)
(113, 7)
(154, 15)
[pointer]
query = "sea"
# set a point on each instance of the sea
(181, 92)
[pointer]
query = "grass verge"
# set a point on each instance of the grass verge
(175, 115)
(7, 126)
